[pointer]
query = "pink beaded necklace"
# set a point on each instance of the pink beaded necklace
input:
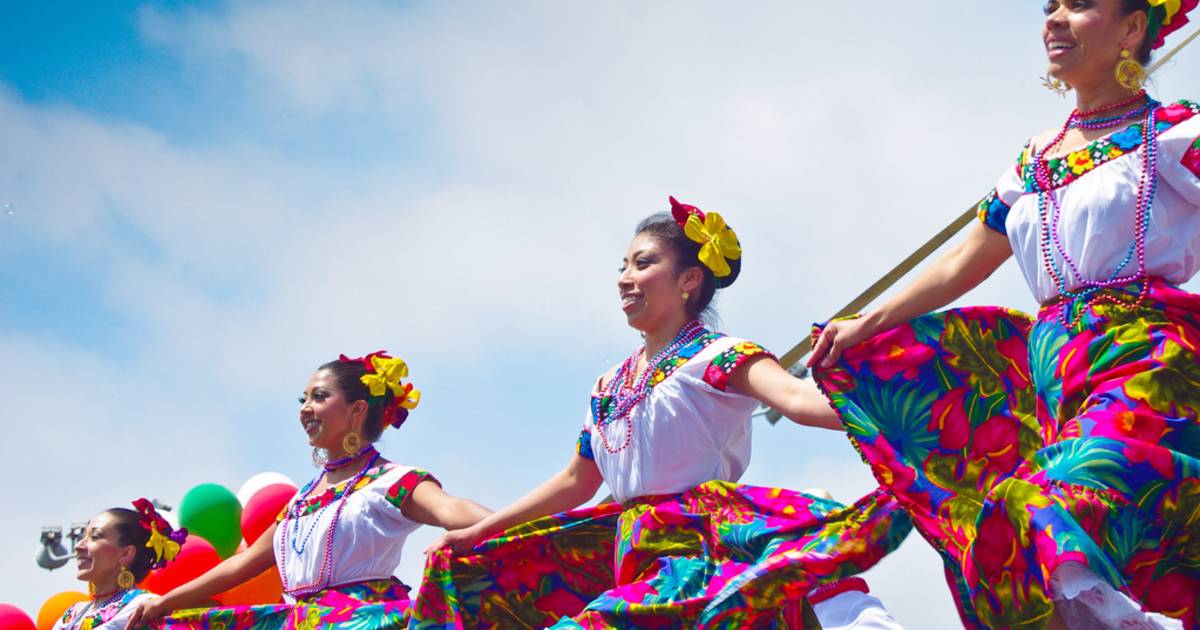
(1093, 290)
(293, 515)
(626, 393)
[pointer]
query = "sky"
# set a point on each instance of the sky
(203, 202)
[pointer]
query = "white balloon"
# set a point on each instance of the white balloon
(260, 481)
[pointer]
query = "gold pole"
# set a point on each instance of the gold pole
(800, 350)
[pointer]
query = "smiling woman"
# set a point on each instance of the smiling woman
(684, 545)
(118, 549)
(339, 540)
(1052, 461)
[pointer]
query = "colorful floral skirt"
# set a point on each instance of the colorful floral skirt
(368, 605)
(1019, 446)
(721, 555)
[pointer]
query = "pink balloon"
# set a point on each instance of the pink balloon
(13, 618)
(262, 508)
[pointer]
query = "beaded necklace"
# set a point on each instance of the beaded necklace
(1092, 291)
(293, 514)
(342, 461)
(626, 392)
(97, 606)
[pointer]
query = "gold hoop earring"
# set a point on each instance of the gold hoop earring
(1058, 86)
(351, 443)
(1130, 72)
(91, 590)
(125, 579)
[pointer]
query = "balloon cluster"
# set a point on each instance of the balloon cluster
(219, 524)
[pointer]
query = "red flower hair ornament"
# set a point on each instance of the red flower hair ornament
(385, 374)
(165, 541)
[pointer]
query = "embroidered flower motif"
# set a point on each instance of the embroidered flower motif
(1174, 113)
(1191, 159)
(1081, 162)
(1128, 138)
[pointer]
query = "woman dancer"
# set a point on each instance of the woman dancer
(119, 547)
(339, 540)
(1054, 463)
(669, 433)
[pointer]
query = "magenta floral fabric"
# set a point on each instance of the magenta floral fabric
(1018, 445)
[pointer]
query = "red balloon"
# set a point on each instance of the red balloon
(13, 618)
(262, 509)
(195, 558)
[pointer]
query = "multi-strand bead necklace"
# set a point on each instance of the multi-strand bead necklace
(626, 388)
(299, 543)
(1092, 291)
(95, 605)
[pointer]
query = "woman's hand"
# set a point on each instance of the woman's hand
(147, 612)
(458, 540)
(836, 337)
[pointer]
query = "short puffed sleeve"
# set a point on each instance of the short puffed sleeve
(583, 445)
(728, 360)
(993, 210)
(1179, 149)
(401, 489)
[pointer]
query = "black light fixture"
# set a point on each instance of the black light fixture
(53, 554)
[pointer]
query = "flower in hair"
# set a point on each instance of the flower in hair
(718, 243)
(1170, 10)
(165, 541)
(384, 374)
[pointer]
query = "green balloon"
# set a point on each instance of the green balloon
(213, 513)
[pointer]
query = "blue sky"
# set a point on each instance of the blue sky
(210, 200)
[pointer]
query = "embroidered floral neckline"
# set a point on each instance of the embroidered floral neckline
(603, 404)
(1065, 169)
(334, 492)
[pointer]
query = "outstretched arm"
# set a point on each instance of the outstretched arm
(430, 505)
(799, 400)
(567, 489)
(233, 571)
(959, 270)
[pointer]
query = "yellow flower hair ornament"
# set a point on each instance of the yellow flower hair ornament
(386, 374)
(718, 242)
(165, 541)
(1163, 14)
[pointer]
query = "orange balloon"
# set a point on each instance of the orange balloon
(265, 588)
(55, 607)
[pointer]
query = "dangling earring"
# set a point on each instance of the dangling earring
(1058, 86)
(685, 296)
(1130, 73)
(351, 443)
(125, 579)
(319, 457)
(91, 590)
